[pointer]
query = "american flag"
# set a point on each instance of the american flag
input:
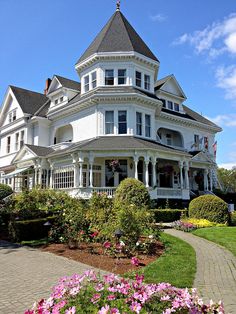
(214, 148)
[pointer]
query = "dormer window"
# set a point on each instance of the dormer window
(147, 81)
(94, 79)
(176, 106)
(138, 77)
(61, 99)
(163, 102)
(122, 77)
(12, 116)
(86, 83)
(56, 101)
(170, 105)
(109, 77)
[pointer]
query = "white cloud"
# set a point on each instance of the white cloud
(214, 39)
(226, 79)
(227, 165)
(158, 18)
(224, 120)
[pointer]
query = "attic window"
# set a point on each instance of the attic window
(176, 106)
(56, 101)
(147, 82)
(61, 99)
(12, 116)
(163, 102)
(94, 79)
(170, 105)
(86, 83)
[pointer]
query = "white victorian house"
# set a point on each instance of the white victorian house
(67, 138)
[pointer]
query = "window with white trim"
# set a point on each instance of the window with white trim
(147, 125)
(122, 122)
(12, 116)
(97, 175)
(139, 123)
(17, 138)
(163, 102)
(147, 82)
(22, 138)
(122, 78)
(109, 122)
(109, 77)
(138, 79)
(170, 104)
(176, 107)
(8, 144)
(94, 79)
(63, 177)
(86, 83)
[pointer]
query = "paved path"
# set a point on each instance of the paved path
(216, 270)
(27, 275)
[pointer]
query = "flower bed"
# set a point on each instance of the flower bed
(87, 293)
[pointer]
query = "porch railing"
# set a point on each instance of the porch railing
(168, 192)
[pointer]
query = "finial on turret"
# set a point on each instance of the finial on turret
(118, 5)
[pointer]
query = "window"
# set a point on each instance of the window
(86, 83)
(138, 79)
(139, 123)
(122, 122)
(147, 125)
(56, 101)
(22, 138)
(176, 106)
(196, 141)
(17, 141)
(163, 102)
(63, 177)
(170, 105)
(12, 116)
(109, 122)
(8, 144)
(109, 77)
(122, 77)
(123, 173)
(147, 82)
(168, 139)
(94, 79)
(206, 142)
(61, 99)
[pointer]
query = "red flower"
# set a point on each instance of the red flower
(135, 261)
(107, 244)
(93, 235)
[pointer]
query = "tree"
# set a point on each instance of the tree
(227, 179)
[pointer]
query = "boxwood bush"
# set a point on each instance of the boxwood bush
(168, 215)
(209, 207)
(29, 229)
(131, 191)
(5, 190)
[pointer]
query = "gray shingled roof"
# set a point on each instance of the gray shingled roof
(29, 101)
(40, 151)
(118, 36)
(161, 82)
(114, 143)
(65, 82)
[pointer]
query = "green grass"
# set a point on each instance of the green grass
(35, 243)
(225, 236)
(176, 266)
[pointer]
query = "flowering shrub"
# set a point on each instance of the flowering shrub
(202, 223)
(87, 293)
(183, 226)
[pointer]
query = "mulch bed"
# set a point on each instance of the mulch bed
(93, 254)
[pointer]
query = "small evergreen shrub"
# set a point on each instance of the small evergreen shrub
(168, 215)
(209, 207)
(29, 229)
(131, 191)
(233, 218)
(5, 190)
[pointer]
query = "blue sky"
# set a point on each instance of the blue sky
(194, 40)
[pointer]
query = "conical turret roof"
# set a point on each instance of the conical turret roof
(118, 36)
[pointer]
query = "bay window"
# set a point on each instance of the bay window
(94, 79)
(122, 77)
(109, 77)
(109, 122)
(138, 77)
(138, 123)
(147, 125)
(147, 82)
(86, 83)
(122, 122)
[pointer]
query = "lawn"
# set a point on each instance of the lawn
(225, 236)
(176, 266)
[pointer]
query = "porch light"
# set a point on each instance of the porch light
(118, 233)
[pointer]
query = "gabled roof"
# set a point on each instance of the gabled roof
(29, 101)
(118, 36)
(65, 82)
(40, 151)
(160, 83)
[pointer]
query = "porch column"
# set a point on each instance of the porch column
(91, 160)
(47, 178)
(35, 175)
(181, 174)
(136, 167)
(211, 180)
(147, 160)
(206, 187)
(51, 174)
(154, 174)
(76, 169)
(186, 177)
(40, 176)
(81, 174)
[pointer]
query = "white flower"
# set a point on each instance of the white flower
(151, 236)
(122, 243)
(137, 243)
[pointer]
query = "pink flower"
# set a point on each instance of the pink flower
(104, 310)
(111, 297)
(93, 235)
(135, 261)
(71, 310)
(115, 311)
(136, 307)
(95, 298)
(107, 244)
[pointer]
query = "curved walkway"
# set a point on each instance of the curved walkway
(27, 275)
(216, 270)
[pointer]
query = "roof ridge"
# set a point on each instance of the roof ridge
(66, 78)
(27, 90)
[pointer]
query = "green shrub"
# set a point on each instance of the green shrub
(5, 190)
(233, 218)
(209, 207)
(29, 229)
(168, 215)
(131, 191)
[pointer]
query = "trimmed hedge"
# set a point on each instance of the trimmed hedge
(209, 207)
(131, 191)
(233, 219)
(168, 215)
(5, 190)
(20, 230)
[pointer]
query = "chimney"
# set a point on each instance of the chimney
(48, 82)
